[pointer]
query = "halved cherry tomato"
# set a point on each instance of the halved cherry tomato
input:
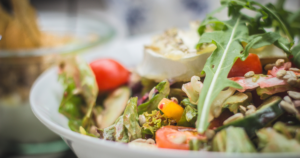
(240, 68)
(165, 135)
(109, 74)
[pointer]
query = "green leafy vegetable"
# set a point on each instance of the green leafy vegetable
(233, 102)
(163, 89)
(219, 64)
(114, 105)
(177, 93)
(74, 125)
(296, 55)
(197, 144)
(193, 89)
(290, 132)
(232, 140)
(271, 141)
(80, 89)
(228, 40)
(126, 128)
(108, 133)
(186, 102)
(188, 117)
(267, 113)
(131, 120)
(154, 121)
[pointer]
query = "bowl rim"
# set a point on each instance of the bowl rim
(67, 133)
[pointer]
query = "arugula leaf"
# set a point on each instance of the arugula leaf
(219, 64)
(229, 48)
(163, 91)
(268, 14)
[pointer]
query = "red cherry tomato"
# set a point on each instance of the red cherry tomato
(165, 135)
(240, 68)
(109, 74)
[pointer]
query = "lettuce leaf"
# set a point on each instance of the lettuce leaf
(232, 140)
(163, 89)
(186, 102)
(188, 117)
(154, 121)
(126, 128)
(270, 141)
(80, 89)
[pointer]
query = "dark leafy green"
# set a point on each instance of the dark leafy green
(163, 89)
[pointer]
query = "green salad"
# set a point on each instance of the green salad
(225, 86)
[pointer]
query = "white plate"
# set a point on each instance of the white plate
(45, 98)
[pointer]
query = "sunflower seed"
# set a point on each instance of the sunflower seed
(294, 69)
(250, 107)
(292, 81)
(279, 62)
(294, 95)
(280, 74)
(290, 108)
(288, 99)
(249, 112)
(249, 74)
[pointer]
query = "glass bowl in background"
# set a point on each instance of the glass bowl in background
(20, 68)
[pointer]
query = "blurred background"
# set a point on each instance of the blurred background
(80, 26)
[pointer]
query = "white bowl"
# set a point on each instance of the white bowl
(45, 98)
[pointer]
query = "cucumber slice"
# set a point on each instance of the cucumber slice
(269, 111)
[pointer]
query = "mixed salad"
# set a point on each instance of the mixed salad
(225, 86)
